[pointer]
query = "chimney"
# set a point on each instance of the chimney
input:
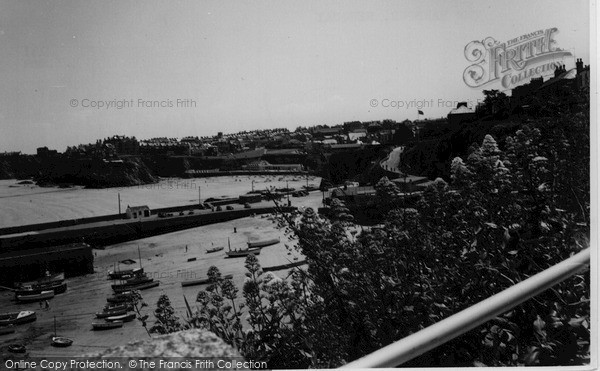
(579, 65)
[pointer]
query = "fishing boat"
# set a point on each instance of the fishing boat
(214, 249)
(111, 313)
(49, 279)
(125, 274)
(57, 287)
(120, 298)
(142, 286)
(60, 341)
(7, 330)
(263, 243)
(122, 318)
(242, 253)
(44, 295)
(117, 307)
(96, 326)
(132, 282)
(17, 318)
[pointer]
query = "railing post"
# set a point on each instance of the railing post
(437, 334)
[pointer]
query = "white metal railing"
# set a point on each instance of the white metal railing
(429, 338)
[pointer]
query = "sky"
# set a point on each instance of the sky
(225, 66)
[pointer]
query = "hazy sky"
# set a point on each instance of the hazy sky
(259, 64)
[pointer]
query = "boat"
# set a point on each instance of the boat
(116, 307)
(123, 318)
(57, 287)
(50, 279)
(17, 318)
(195, 282)
(111, 313)
(7, 330)
(214, 249)
(142, 286)
(44, 295)
(132, 282)
(125, 274)
(263, 243)
(202, 281)
(241, 253)
(17, 348)
(96, 326)
(60, 341)
(120, 298)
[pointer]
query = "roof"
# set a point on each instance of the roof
(461, 110)
(138, 208)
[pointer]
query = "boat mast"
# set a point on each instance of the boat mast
(139, 255)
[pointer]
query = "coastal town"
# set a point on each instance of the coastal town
(413, 231)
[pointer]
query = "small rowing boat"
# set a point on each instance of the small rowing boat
(111, 313)
(44, 295)
(242, 253)
(143, 286)
(96, 326)
(17, 318)
(214, 249)
(123, 318)
(263, 243)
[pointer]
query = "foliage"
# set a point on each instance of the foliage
(166, 320)
(514, 208)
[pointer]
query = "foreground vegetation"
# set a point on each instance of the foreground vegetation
(506, 214)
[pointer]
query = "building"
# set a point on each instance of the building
(134, 212)
(462, 113)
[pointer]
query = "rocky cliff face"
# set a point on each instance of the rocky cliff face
(95, 173)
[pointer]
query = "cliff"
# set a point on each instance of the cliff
(93, 173)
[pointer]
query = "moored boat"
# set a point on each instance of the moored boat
(123, 318)
(57, 287)
(202, 281)
(116, 307)
(17, 318)
(195, 282)
(120, 298)
(44, 295)
(242, 253)
(55, 278)
(106, 325)
(111, 313)
(61, 341)
(132, 282)
(17, 348)
(142, 286)
(263, 243)
(214, 249)
(125, 274)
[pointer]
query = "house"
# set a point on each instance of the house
(134, 212)
(461, 113)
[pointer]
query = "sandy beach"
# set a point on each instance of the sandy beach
(165, 258)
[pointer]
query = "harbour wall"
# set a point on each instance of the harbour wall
(100, 236)
(73, 260)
